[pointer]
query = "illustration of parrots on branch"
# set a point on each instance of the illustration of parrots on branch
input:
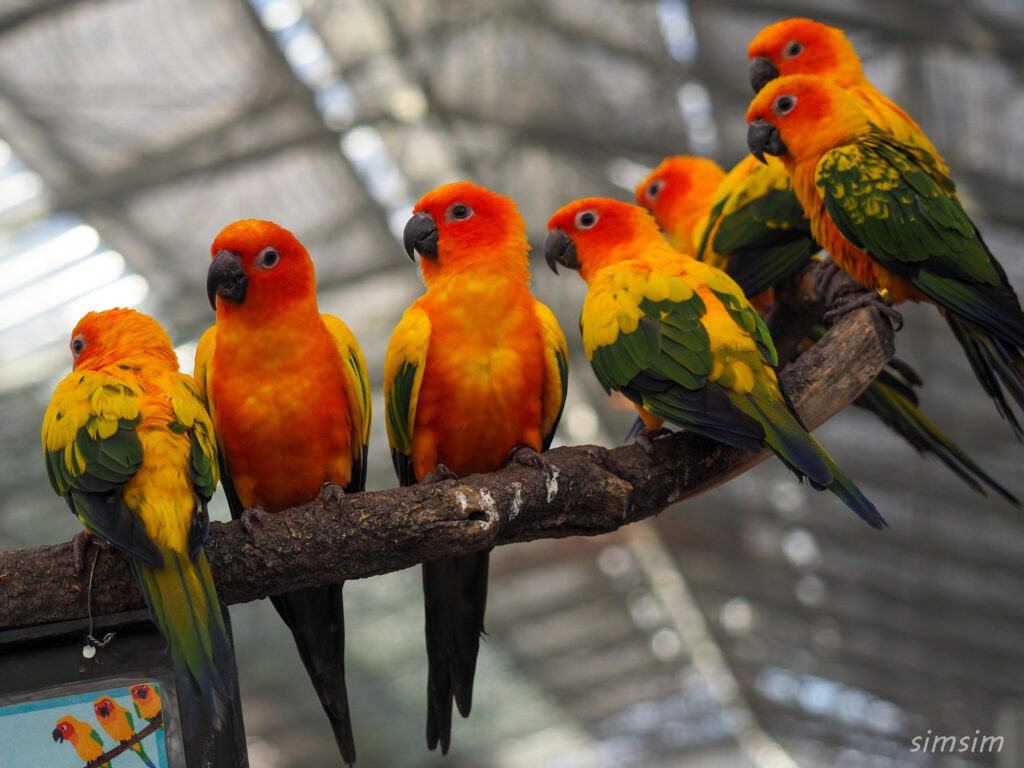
(679, 201)
(82, 737)
(475, 375)
(289, 395)
(146, 700)
(118, 723)
(889, 216)
(130, 447)
(679, 339)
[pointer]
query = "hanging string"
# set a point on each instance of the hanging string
(89, 650)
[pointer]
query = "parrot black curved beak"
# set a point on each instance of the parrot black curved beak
(57, 736)
(420, 236)
(764, 137)
(226, 279)
(559, 248)
(103, 712)
(761, 72)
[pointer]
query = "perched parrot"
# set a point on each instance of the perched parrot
(475, 375)
(679, 339)
(889, 216)
(289, 395)
(891, 396)
(118, 723)
(146, 700)
(82, 737)
(131, 448)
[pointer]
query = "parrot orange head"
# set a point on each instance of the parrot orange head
(104, 708)
(140, 692)
(65, 730)
(258, 267)
(592, 233)
(103, 338)
(802, 46)
(802, 116)
(464, 226)
(678, 192)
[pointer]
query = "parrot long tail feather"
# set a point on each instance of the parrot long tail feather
(317, 621)
(184, 606)
(455, 596)
(997, 363)
(799, 451)
(899, 411)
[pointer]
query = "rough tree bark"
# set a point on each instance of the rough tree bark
(595, 490)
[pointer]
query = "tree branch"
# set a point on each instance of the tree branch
(595, 490)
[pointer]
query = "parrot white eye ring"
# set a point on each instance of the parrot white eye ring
(586, 219)
(784, 104)
(793, 49)
(268, 258)
(654, 189)
(77, 345)
(459, 212)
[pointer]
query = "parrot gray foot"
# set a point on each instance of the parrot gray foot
(80, 545)
(849, 302)
(331, 493)
(645, 438)
(251, 518)
(528, 457)
(439, 473)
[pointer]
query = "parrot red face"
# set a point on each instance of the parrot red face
(258, 266)
(797, 46)
(463, 224)
(585, 234)
(801, 114)
(140, 692)
(104, 707)
(64, 730)
(678, 185)
(100, 338)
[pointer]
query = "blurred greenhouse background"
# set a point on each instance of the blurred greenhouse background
(760, 625)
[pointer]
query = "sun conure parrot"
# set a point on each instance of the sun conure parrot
(475, 375)
(675, 192)
(891, 396)
(119, 725)
(130, 447)
(82, 737)
(679, 339)
(290, 399)
(889, 216)
(146, 700)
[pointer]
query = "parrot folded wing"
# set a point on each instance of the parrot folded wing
(892, 201)
(663, 365)
(403, 374)
(556, 373)
(757, 231)
(190, 417)
(92, 449)
(357, 397)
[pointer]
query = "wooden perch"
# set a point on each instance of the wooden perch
(124, 746)
(595, 490)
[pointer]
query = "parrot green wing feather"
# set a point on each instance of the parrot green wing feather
(663, 366)
(92, 449)
(359, 401)
(404, 365)
(556, 373)
(892, 201)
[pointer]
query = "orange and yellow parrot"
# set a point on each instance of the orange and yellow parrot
(290, 399)
(119, 725)
(679, 339)
(82, 737)
(131, 448)
(146, 700)
(678, 192)
(889, 216)
(891, 396)
(475, 375)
